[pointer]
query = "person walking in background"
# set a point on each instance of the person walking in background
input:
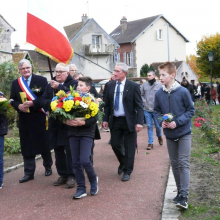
(188, 86)
(198, 94)
(124, 116)
(207, 94)
(72, 69)
(32, 122)
(148, 91)
(194, 90)
(218, 91)
(213, 95)
(3, 132)
(178, 129)
(101, 91)
(142, 81)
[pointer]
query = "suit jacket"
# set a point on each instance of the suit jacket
(32, 129)
(132, 103)
(58, 132)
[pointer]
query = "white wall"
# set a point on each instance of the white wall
(149, 49)
(182, 70)
(85, 66)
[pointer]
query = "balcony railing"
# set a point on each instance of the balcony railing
(101, 49)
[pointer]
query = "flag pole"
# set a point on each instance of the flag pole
(51, 73)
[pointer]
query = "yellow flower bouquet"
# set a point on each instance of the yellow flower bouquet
(73, 104)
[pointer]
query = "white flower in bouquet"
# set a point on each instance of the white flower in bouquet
(83, 104)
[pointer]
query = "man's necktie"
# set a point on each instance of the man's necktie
(26, 80)
(117, 97)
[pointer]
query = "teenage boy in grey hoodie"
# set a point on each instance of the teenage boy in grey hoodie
(174, 99)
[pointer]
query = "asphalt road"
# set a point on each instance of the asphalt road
(140, 198)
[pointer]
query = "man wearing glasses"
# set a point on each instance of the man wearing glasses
(32, 126)
(58, 132)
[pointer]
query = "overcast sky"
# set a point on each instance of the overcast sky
(193, 18)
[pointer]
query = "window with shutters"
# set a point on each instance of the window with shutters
(128, 59)
(131, 59)
(124, 58)
(118, 57)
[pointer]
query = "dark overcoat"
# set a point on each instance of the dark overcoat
(132, 102)
(32, 128)
(58, 132)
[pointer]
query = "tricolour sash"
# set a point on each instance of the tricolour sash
(30, 95)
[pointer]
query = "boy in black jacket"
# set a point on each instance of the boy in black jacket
(81, 136)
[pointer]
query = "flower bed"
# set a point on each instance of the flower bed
(207, 120)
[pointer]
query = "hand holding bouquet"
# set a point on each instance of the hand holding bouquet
(73, 104)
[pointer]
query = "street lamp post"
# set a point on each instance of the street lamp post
(211, 57)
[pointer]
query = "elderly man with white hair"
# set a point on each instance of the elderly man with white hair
(72, 69)
(58, 132)
(32, 121)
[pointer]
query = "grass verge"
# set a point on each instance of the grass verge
(204, 195)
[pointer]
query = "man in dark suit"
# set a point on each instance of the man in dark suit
(58, 132)
(32, 122)
(124, 116)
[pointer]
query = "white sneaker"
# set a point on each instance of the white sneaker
(1, 185)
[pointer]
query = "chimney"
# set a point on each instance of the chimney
(84, 18)
(123, 23)
(17, 48)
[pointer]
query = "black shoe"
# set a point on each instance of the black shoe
(120, 169)
(182, 203)
(176, 199)
(26, 178)
(109, 142)
(48, 171)
(125, 177)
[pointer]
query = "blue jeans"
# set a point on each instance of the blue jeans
(1, 158)
(81, 152)
(149, 117)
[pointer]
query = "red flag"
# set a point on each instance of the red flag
(48, 39)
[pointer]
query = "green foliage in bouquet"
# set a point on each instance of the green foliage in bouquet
(73, 104)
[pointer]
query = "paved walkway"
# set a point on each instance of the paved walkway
(140, 198)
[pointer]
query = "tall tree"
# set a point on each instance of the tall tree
(191, 60)
(144, 70)
(207, 44)
(8, 72)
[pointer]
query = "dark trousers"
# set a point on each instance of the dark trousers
(120, 132)
(81, 152)
(64, 161)
(30, 165)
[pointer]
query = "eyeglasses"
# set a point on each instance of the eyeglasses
(59, 72)
(25, 68)
(73, 70)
